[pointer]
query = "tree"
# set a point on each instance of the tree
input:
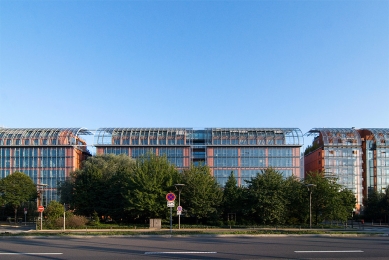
(202, 195)
(297, 205)
(53, 212)
(345, 204)
(232, 197)
(99, 186)
(152, 178)
(375, 205)
(330, 200)
(267, 197)
(17, 188)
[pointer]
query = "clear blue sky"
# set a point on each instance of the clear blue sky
(195, 64)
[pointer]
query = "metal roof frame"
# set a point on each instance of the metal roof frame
(337, 136)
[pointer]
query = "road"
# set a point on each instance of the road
(195, 247)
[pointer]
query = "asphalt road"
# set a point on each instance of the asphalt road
(195, 247)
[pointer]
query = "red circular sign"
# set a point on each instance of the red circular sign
(170, 196)
(41, 209)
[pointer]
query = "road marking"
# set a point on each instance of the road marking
(190, 252)
(345, 251)
(31, 253)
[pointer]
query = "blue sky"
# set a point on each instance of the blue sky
(195, 64)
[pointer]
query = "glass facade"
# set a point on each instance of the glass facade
(342, 158)
(47, 155)
(244, 151)
(376, 165)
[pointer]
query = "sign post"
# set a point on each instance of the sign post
(64, 216)
(179, 210)
(40, 210)
(170, 197)
(25, 216)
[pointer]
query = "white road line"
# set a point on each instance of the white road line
(191, 252)
(345, 251)
(31, 253)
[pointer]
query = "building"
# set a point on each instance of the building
(47, 155)
(358, 159)
(337, 153)
(244, 151)
(375, 147)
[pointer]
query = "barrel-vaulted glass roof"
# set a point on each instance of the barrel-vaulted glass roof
(381, 136)
(264, 136)
(124, 136)
(337, 136)
(208, 136)
(41, 136)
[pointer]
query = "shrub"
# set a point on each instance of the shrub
(76, 221)
(72, 221)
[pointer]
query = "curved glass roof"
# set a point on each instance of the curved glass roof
(15, 136)
(121, 136)
(272, 136)
(337, 136)
(381, 135)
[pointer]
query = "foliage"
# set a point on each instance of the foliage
(202, 195)
(297, 206)
(121, 189)
(71, 221)
(151, 179)
(311, 148)
(267, 197)
(99, 186)
(65, 191)
(232, 199)
(16, 189)
(377, 205)
(53, 211)
(329, 199)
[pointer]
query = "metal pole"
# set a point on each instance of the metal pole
(171, 212)
(179, 187)
(179, 204)
(41, 219)
(310, 209)
(64, 215)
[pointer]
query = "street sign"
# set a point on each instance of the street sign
(179, 208)
(170, 204)
(41, 209)
(178, 212)
(170, 196)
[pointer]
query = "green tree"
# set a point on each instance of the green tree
(152, 178)
(345, 205)
(297, 206)
(99, 186)
(330, 200)
(232, 198)
(16, 189)
(267, 197)
(203, 195)
(53, 212)
(375, 205)
(65, 191)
